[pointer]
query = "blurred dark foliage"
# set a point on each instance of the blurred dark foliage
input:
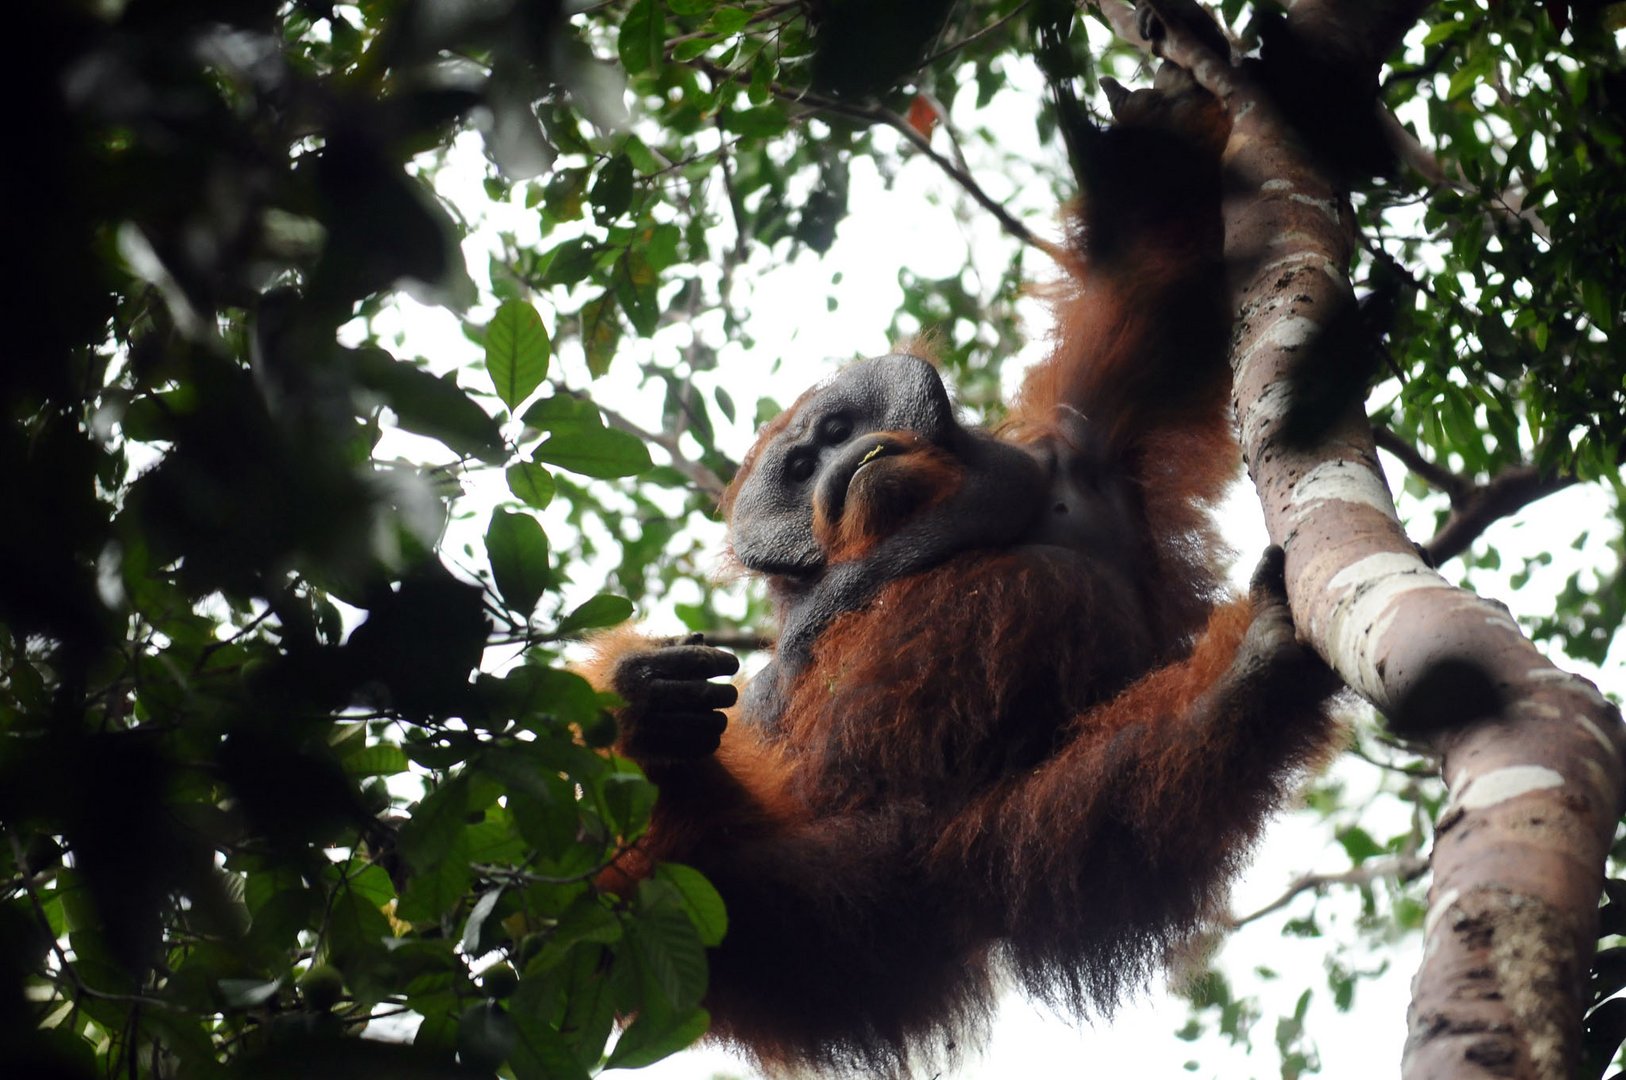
(206, 192)
(866, 47)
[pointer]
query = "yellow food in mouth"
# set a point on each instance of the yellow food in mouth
(880, 448)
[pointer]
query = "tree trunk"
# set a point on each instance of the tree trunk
(1533, 757)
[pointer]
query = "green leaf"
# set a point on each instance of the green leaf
(518, 550)
(600, 333)
(643, 36)
(485, 1036)
(529, 690)
(150, 418)
(702, 902)
(540, 1051)
(605, 609)
(1599, 304)
(355, 928)
(436, 407)
(764, 122)
(563, 194)
(586, 919)
(649, 1039)
(278, 921)
(550, 824)
(612, 191)
(435, 824)
(1358, 844)
(603, 454)
(729, 20)
(438, 888)
(438, 1032)
(531, 484)
(517, 350)
(570, 262)
(1442, 30)
(693, 616)
(661, 246)
(561, 413)
(1478, 65)
(589, 1003)
(684, 51)
(725, 404)
(380, 759)
(643, 159)
(496, 839)
(628, 799)
(373, 883)
(636, 289)
(764, 69)
(441, 752)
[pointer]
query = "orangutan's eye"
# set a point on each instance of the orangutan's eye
(835, 429)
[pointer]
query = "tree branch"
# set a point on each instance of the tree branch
(1475, 507)
(1433, 474)
(1534, 768)
(1503, 495)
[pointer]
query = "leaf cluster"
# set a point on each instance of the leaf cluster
(274, 765)
(1497, 258)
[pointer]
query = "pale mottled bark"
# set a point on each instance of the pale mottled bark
(1537, 786)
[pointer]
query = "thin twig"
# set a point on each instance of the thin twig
(758, 16)
(880, 115)
(696, 473)
(949, 50)
(1504, 206)
(741, 230)
(65, 965)
(246, 629)
(1400, 868)
(513, 876)
(1006, 219)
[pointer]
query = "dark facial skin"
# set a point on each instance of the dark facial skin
(1060, 491)
(772, 515)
